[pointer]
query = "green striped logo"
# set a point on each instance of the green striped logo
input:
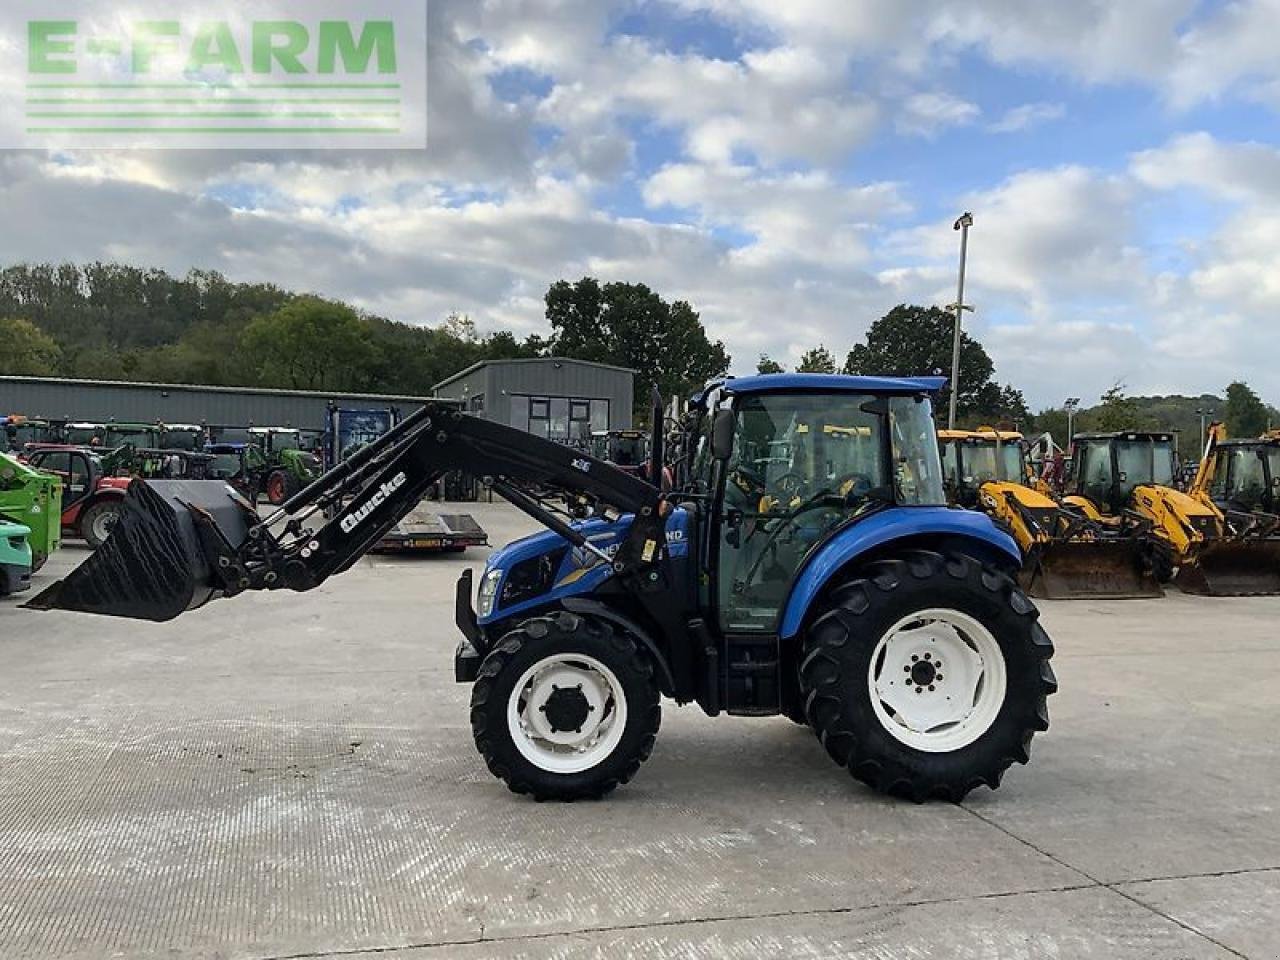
(244, 74)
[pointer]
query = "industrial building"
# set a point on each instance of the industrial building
(99, 400)
(553, 397)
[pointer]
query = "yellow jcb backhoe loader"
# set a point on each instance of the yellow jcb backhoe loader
(1067, 554)
(1128, 476)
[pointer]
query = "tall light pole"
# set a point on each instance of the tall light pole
(1204, 414)
(963, 224)
(1070, 405)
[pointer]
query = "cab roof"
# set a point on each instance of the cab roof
(1127, 435)
(982, 433)
(824, 383)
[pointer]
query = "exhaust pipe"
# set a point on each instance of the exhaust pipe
(155, 565)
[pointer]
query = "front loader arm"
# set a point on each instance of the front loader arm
(179, 544)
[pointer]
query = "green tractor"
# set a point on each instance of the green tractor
(33, 499)
(290, 466)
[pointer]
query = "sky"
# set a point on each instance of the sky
(792, 169)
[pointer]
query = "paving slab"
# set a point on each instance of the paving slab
(1239, 910)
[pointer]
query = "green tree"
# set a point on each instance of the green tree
(1117, 412)
(26, 350)
(768, 365)
(1245, 413)
(817, 360)
(1053, 420)
(311, 344)
(911, 340)
(632, 326)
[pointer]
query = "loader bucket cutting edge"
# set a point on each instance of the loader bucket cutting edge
(1233, 568)
(1092, 570)
(153, 566)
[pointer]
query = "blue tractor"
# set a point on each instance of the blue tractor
(803, 563)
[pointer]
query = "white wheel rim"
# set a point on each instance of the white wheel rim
(567, 751)
(937, 680)
(104, 523)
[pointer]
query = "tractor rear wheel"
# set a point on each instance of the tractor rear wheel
(565, 708)
(279, 486)
(926, 675)
(99, 520)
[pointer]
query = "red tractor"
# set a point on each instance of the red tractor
(92, 496)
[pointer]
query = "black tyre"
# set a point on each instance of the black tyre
(97, 522)
(565, 708)
(926, 675)
(279, 486)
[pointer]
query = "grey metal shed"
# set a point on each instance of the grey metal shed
(101, 400)
(555, 397)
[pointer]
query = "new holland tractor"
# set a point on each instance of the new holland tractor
(1128, 478)
(1067, 554)
(832, 585)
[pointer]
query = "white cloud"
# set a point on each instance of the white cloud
(1232, 171)
(927, 114)
(1027, 116)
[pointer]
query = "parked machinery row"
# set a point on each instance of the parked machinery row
(1114, 524)
(69, 478)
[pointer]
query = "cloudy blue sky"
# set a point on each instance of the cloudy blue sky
(792, 168)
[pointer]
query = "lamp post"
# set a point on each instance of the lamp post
(1203, 414)
(1071, 405)
(962, 224)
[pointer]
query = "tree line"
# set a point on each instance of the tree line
(118, 322)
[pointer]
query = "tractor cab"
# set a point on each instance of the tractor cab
(141, 436)
(187, 437)
(971, 458)
(84, 434)
(17, 431)
(628, 449)
(1107, 468)
(1246, 475)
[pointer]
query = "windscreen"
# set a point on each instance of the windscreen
(1143, 461)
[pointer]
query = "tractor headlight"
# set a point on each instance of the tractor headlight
(488, 592)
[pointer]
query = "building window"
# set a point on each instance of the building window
(565, 419)
(599, 415)
(519, 413)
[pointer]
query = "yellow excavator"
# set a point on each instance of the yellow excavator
(1128, 477)
(1067, 553)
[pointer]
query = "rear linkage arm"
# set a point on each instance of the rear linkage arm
(390, 476)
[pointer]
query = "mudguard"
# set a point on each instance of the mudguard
(916, 526)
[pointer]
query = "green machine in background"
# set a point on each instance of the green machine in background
(33, 499)
(15, 558)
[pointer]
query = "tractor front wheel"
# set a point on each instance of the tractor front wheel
(565, 708)
(926, 675)
(99, 520)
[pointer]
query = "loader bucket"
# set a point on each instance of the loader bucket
(1233, 568)
(1091, 570)
(154, 565)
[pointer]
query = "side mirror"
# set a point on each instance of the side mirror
(722, 435)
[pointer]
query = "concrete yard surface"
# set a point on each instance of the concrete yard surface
(293, 775)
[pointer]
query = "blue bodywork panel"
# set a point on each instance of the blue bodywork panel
(580, 572)
(827, 383)
(895, 523)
